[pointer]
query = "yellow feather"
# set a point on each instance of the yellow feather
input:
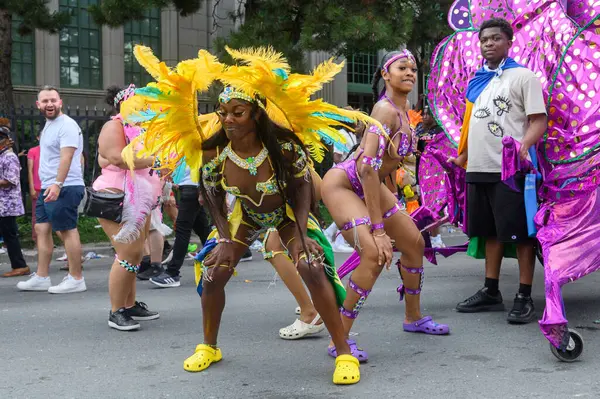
(149, 61)
(260, 56)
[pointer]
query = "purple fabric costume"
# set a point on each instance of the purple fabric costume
(350, 167)
(558, 40)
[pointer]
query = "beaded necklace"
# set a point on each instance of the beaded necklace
(251, 164)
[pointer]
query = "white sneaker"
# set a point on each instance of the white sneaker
(35, 283)
(342, 248)
(62, 258)
(2, 251)
(256, 246)
(68, 286)
(168, 258)
(436, 242)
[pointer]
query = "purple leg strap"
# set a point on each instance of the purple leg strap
(397, 207)
(357, 222)
(357, 289)
(413, 270)
(349, 314)
(353, 314)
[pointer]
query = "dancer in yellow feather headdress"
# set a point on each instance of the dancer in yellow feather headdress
(255, 147)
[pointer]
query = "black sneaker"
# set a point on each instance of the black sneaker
(154, 270)
(140, 311)
(165, 280)
(120, 320)
(523, 310)
(144, 264)
(481, 302)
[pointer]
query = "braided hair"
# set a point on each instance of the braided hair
(377, 75)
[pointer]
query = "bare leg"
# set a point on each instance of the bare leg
(213, 298)
(156, 242)
(130, 301)
(45, 246)
(289, 275)
(324, 299)
(73, 250)
(121, 283)
(526, 258)
(323, 296)
(365, 275)
(494, 251)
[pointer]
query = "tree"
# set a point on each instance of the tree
(340, 27)
(430, 26)
(34, 14)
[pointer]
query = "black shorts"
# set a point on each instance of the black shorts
(494, 210)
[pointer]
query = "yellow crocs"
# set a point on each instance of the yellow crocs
(346, 370)
(202, 358)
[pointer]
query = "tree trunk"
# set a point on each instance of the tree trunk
(6, 92)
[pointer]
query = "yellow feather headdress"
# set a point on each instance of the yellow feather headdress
(167, 108)
(263, 72)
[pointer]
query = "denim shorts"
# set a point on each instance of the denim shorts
(62, 213)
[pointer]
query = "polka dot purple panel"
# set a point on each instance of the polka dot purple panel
(560, 42)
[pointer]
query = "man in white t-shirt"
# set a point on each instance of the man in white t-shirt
(340, 154)
(61, 145)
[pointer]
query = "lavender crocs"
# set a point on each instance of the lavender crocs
(428, 326)
(358, 353)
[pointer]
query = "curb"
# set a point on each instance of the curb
(101, 248)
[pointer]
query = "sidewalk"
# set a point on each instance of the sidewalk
(103, 249)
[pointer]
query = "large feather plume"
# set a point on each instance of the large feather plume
(168, 108)
(264, 72)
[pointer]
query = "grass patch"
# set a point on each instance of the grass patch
(89, 233)
(324, 215)
(86, 226)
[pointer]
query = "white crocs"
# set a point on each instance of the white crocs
(299, 329)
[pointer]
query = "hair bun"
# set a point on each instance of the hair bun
(111, 93)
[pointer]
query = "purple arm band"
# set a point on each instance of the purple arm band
(377, 226)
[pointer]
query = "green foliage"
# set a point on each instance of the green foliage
(35, 14)
(340, 27)
(324, 216)
(115, 13)
(422, 41)
(88, 231)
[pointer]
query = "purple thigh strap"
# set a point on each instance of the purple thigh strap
(393, 210)
(357, 222)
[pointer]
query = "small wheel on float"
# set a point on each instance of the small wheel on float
(574, 348)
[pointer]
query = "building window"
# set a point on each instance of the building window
(361, 68)
(80, 47)
(147, 33)
(23, 52)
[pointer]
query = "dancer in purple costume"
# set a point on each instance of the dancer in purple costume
(558, 40)
(372, 216)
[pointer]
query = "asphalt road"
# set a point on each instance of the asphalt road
(61, 347)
